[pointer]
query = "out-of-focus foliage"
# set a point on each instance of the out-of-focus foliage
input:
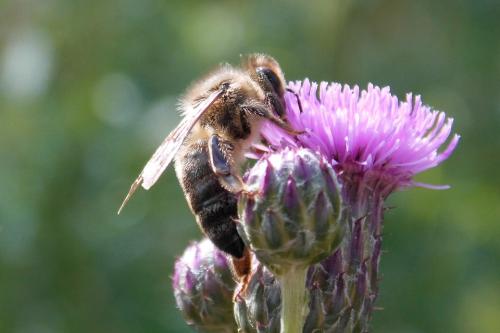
(89, 88)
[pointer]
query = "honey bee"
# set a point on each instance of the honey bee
(222, 115)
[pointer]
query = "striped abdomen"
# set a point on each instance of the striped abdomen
(215, 207)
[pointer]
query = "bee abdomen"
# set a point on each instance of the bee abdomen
(220, 228)
(214, 206)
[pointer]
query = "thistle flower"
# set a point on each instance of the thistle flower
(203, 288)
(375, 144)
(368, 137)
(319, 210)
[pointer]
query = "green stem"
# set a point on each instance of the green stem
(293, 300)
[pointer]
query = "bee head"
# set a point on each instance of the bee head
(267, 71)
(272, 77)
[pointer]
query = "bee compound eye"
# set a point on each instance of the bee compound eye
(271, 77)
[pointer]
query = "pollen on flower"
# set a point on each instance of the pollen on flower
(368, 133)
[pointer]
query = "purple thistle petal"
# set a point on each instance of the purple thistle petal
(431, 187)
(367, 130)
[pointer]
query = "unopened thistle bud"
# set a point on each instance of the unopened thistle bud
(293, 222)
(295, 218)
(203, 288)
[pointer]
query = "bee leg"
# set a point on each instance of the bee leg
(285, 126)
(297, 97)
(218, 161)
(268, 114)
(269, 83)
(278, 106)
(219, 154)
(242, 270)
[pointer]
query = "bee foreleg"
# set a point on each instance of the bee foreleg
(264, 112)
(273, 101)
(218, 161)
(266, 79)
(219, 155)
(297, 97)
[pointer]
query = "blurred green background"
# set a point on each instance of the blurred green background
(88, 90)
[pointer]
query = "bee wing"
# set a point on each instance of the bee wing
(165, 153)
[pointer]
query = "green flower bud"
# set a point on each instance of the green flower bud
(295, 219)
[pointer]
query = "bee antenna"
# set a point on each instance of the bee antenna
(296, 96)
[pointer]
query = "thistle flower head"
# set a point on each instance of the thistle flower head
(203, 288)
(368, 133)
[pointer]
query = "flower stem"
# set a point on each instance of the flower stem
(294, 300)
